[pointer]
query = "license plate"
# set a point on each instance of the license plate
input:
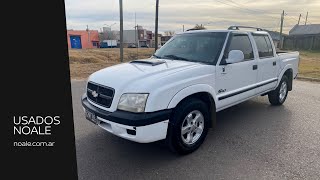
(91, 117)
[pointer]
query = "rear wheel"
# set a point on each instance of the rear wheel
(279, 95)
(188, 126)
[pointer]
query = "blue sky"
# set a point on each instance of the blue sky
(173, 14)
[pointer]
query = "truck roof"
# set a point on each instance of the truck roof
(224, 30)
(231, 29)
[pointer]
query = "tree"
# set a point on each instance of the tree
(110, 35)
(101, 36)
(169, 33)
(198, 27)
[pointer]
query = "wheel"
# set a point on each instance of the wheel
(188, 126)
(279, 95)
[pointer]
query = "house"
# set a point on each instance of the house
(149, 38)
(139, 37)
(303, 37)
(82, 39)
(164, 39)
(153, 40)
(303, 30)
(129, 37)
(144, 37)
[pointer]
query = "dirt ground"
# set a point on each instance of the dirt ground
(84, 62)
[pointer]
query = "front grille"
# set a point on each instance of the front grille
(100, 94)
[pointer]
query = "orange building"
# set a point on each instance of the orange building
(82, 39)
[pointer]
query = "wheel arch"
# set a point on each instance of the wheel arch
(287, 71)
(202, 92)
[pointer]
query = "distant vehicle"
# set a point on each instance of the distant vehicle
(108, 44)
(175, 94)
(132, 46)
(144, 46)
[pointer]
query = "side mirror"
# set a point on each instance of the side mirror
(235, 56)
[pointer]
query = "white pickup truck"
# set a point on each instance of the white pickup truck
(175, 94)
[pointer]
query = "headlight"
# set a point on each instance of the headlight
(133, 102)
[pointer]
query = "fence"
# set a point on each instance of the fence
(304, 42)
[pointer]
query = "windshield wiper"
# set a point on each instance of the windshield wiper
(156, 56)
(171, 56)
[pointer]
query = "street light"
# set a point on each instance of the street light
(110, 29)
(110, 25)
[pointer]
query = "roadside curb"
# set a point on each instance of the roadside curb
(308, 79)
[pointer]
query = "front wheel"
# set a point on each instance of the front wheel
(188, 126)
(279, 95)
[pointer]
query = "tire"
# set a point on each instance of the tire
(192, 116)
(279, 95)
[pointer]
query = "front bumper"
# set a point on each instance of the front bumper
(139, 127)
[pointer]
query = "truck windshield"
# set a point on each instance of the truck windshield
(203, 47)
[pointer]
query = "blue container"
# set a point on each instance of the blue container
(75, 42)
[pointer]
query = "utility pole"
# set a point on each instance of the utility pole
(137, 43)
(135, 29)
(305, 23)
(156, 26)
(88, 35)
(281, 26)
(299, 19)
(121, 31)
(182, 28)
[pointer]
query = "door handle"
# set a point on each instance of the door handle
(254, 67)
(274, 63)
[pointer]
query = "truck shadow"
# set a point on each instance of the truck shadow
(249, 129)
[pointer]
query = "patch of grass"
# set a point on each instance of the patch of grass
(84, 62)
(309, 64)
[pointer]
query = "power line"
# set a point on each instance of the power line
(248, 10)
(292, 17)
(252, 9)
(255, 11)
(242, 7)
(297, 19)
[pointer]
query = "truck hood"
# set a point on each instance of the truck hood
(142, 71)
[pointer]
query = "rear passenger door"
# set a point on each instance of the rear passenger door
(267, 63)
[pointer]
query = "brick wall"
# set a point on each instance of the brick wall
(86, 39)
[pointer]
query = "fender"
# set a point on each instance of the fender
(288, 66)
(183, 93)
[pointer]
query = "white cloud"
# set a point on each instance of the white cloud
(175, 13)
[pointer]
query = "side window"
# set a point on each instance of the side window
(269, 45)
(264, 45)
(241, 42)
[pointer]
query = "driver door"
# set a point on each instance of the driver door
(235, 82)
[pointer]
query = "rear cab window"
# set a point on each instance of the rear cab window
(264, 45)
